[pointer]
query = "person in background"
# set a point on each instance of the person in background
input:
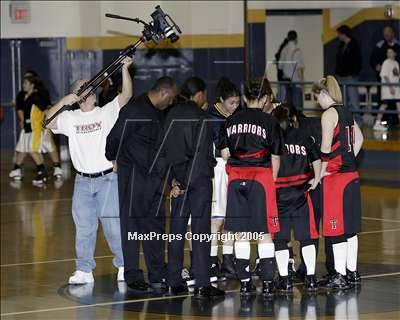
(389, 74)
(378, 55)
(380, 50)
(348, 65)
(48, 145)
(291, 63)
(279, 71)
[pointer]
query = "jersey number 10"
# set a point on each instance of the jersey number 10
(350, 132)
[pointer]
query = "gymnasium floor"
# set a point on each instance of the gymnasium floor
(37, 256)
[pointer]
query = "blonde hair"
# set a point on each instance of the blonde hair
(329, 84)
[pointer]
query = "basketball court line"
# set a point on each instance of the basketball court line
(141, 253)
(111, 303)
(380, 219)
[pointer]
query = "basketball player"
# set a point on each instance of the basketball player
(295, 207)
(254, 144)
(227, 102)
(341, 142)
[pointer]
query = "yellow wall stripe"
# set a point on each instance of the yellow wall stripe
(375, 145)
(186, 41)
(329, 33)
(256, 16)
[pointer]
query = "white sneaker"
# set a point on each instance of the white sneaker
(16, 174)
(379, 127)
(80, 277)
(120, 276)
(58, 173)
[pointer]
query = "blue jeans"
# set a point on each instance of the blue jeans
(96, 199)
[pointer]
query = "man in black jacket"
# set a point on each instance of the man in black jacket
(348, 64)
(189, 154)
(132, 143)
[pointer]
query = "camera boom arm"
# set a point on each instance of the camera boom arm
(158, 29)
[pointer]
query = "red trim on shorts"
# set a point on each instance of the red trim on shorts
(313, 228)
(333, 187)
(290, 184)
(258, 154)
(264, 177)
(294, 178)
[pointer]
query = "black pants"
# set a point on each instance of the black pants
(197, 204)
(142, 212)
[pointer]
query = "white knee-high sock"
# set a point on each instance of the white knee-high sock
(309, 256)
(340, 256)
(352, 253)
(266, 250)
(214, 251)
(242, 250)
(227, 249)
(282, 260)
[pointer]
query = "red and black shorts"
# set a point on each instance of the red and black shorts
(251, 203)
(297, 215)
(341, 205)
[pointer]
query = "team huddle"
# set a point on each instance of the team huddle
(230, 169)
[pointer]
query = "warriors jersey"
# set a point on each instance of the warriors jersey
(341, 158)
(252, 136)
(295, 167)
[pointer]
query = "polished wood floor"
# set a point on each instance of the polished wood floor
(37, 256)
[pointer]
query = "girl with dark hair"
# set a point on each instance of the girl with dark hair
(30, 111)
(189, 155)
(253, 144)
(41, 94)
(227, 102)
(295, 209)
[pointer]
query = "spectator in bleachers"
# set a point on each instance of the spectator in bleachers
(348, 64)
(291, 63)
(389, 74)
(379, 53)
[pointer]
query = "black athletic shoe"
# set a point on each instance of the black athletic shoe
(214, 271)
(247, 288)
(41, 178)
(284, 285)
(291, 269)
(188, 277)
(310, 284)
(268, 289)
(335, 282)
(139, 287)
(228, 267)
(353, 277)
(299, 276)
(208, 292)
(179, 290)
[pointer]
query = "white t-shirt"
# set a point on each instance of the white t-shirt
(290, 61)
(87, 134)
(387, 71)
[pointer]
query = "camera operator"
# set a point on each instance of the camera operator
(133, 144)
(96, 188)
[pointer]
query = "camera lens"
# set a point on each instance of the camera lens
(173, 37)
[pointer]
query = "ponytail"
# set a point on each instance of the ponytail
(329, 84)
